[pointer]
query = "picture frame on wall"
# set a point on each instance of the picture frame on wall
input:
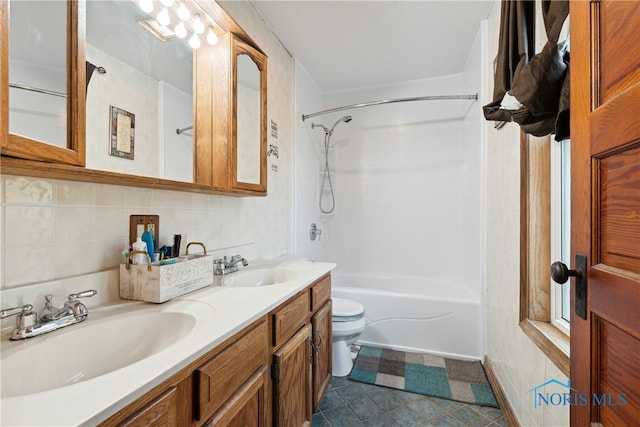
(122, 126)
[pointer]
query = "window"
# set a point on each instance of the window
(561, 229)
(544, 307)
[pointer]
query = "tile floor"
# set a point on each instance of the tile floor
(349, 403)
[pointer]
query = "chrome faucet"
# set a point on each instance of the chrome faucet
(52, 318)
(225, 265)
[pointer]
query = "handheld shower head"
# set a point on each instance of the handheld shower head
(345, 119)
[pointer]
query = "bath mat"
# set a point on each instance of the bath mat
(463, 381)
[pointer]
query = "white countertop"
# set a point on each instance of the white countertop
(222, 312)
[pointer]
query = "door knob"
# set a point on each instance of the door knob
(560, 273)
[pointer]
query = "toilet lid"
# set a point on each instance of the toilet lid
(345, 309)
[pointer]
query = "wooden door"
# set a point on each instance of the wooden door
(292, 382)
(605, 133)
(321, 338)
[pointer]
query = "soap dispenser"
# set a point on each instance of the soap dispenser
(139, 245)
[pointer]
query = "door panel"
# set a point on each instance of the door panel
(619, 379)
(619, 219)
(605, 132)
(616, 21)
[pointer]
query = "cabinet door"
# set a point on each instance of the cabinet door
(246, 407)
(321, 338)
(219, 380)
(291, 373)
(42, 82)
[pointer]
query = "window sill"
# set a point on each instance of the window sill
(551, 340)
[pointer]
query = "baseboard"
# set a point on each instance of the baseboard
(507, 411)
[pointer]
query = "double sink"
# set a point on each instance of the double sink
(121, 341)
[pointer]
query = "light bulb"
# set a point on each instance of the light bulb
(194, 41)
(180, 30)
(183, 12)
(163, 17)
(211, 36)
(198, 26)
(146, 5)
(167, 3)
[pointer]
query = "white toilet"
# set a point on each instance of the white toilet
(348, 322)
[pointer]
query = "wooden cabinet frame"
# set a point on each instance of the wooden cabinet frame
(26, 148)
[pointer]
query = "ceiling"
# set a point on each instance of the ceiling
(355, 44)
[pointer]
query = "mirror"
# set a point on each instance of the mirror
(248, 113)
(43, 82)
(38, 71)
(249, 146)
(148, 82)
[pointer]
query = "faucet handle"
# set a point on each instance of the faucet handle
(26, 317)
(25, 309)
(83, 294)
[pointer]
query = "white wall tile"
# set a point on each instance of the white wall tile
(74, 224)
(25, 190)
(110, 195)
(29, 264)
(74, 193)
(30, 225)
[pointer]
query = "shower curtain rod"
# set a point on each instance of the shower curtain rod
(37, 89)
(389, 101)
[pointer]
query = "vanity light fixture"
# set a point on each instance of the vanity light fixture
(146, 5)
(167, 3)
(198, 26)
(183, 12)
(194, 41)
(163, 17)
(180, 30)
(211, 36)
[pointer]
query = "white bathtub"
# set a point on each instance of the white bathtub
(414, 314)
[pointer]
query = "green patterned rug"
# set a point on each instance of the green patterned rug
(463, 381)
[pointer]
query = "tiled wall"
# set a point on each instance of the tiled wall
(53, 229)
(518, 362)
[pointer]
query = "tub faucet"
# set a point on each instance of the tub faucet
(225, 265)
(52, 318)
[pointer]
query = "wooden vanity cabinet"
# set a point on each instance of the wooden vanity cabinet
(301, 368)
(273, 372)
(321, 338)
(230, 387)
(225, 387)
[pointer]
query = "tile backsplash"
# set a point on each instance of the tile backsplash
(53, 229)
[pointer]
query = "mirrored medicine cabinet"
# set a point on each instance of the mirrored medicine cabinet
(195, 118)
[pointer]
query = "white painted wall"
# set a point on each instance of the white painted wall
(176, 109)
(308, 155)
(126, 88)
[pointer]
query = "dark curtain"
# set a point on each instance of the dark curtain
(90, 69)
(539, 82)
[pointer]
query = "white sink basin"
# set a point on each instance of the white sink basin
(260, 275)
(103, 343)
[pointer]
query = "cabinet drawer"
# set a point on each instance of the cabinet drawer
(288, 319)
(320, 292)
(219, 378)
(163, 410)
